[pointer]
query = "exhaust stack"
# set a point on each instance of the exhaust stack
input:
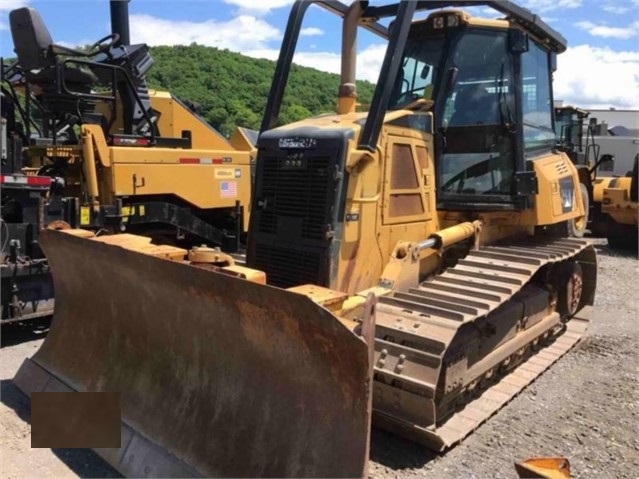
(347, 95)
(120, 21)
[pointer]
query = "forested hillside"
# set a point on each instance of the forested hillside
(231, 89)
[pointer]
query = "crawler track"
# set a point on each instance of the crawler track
(453, 351)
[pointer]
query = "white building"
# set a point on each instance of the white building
(628, 119)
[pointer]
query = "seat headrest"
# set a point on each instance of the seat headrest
(31, 38)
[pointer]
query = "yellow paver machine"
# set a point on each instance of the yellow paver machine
(87, 144)
(407, 266)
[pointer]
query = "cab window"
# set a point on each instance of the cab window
(539, 135)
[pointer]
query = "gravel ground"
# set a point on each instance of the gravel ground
(585, 407)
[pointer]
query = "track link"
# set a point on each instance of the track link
(452, 351)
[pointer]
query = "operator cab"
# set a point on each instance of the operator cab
(471, 70)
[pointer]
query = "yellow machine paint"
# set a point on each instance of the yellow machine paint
(396, 200)
(417, 261)
(577, 139)
(195, 175)
(174, 115)
(129, 157)
(619, 201)
(214, 174)
(543, 467)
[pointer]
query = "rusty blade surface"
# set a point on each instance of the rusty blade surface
(231, 377)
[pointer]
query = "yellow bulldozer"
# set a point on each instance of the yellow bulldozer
(86, 144)
(409, 266)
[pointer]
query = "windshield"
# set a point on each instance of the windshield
(475, 114)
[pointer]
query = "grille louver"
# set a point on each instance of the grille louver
(296, 193)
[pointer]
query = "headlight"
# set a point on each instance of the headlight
(567, 193)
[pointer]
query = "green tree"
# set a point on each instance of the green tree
(232, 89)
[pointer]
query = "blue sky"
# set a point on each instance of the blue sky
(599, 70)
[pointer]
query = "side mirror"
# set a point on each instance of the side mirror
(425, 72)
(607, 160)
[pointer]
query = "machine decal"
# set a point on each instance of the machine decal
(298, 143)
(224, 173)
(85, 216)
(228, 189)
(128, 210)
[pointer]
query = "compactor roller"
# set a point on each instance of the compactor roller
(442, 215)
(620, 206)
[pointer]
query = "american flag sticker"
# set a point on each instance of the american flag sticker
(228, 189)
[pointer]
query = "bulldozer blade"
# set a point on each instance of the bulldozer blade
(217, 376)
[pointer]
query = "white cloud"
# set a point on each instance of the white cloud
(8, 5)
(5, 7)
(488, 12)
(311, 31)
(238, 34)
(550, 5)
(258, 7)
(609, 32)
(593, 77)
(587, 76)
(369, 60)
(615, 8)
(483, 12)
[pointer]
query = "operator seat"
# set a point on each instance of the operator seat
(40, 60)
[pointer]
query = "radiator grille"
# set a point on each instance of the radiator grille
(296, 192)
(295, 209)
